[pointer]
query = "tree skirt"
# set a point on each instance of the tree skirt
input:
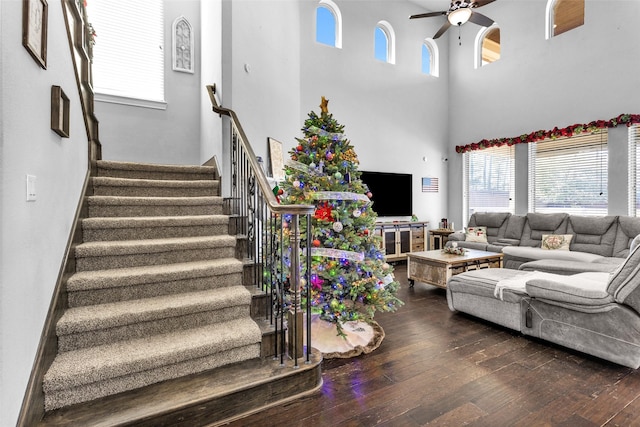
(361, 337)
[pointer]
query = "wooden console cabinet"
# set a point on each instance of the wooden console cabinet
(400, 238)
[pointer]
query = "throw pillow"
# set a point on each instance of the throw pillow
(559, 242)
(476, 234)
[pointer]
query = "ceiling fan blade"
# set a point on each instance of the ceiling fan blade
(480, 3)
(480, 19)
(428, 15)
(442, 29)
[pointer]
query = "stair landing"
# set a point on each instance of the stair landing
(209, 398)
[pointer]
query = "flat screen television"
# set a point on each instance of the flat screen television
(392, 192)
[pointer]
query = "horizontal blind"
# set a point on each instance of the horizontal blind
(490, 180)
(128, 55)
(634, 162)
(569, 175)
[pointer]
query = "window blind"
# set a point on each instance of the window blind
(569, 175)
(634, 162)
(489, 182)
(128, 58)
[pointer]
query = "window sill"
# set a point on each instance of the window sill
(134, 102)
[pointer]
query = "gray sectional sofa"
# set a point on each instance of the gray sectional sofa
(597, 244)
(586, 298)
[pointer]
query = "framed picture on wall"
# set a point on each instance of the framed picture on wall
(59, 112)
(277, 159)
(34, 29)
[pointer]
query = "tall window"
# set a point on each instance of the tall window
(430, 58)
(489, 181)
(564, 15)
(328, 24)
(569, 175)
(384, 43)
(634, 173)
(487, 46)
(128, 57)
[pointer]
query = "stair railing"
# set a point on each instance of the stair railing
(265, 222)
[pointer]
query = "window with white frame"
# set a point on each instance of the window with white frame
(430, 58)
(328, 24)
(384, 43)
(634, 173)
(564, 15)
(489, 180)
(128, 57)
(487, 46)
(569, 175)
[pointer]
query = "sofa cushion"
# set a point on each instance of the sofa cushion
(624, 283)
(495, 223)
(538, 224)
(483, 283)
(552, 242)
(593, 234)
(564, 267)
(582, 288)
(525, 252)
(515, 226)
(476, 234)
(628, 228)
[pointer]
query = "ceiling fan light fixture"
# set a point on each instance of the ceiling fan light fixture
(459, 16)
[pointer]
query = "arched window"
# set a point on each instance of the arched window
(487, 46)
(328, 24)
(564, 15)
(430, 58)
(384, 43)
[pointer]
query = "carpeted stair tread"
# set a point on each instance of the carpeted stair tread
(131, 276)
(154, 227)
(140, 182)
(154, 201)
(89, 365)
(131, 187)
(150, 246)
(153, 221)
(130, 206)
(105, 316)
(114, 168)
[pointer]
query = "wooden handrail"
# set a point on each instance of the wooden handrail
(271, 200)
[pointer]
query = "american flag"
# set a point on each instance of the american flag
(429, 185)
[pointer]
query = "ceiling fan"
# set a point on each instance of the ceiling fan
(459, 13)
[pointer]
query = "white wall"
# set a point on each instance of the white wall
(171, 136)
(211, 73)
(261, 69)
(393, 114)
(34, 234)
(586, 74)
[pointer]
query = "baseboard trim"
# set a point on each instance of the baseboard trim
(32, 410)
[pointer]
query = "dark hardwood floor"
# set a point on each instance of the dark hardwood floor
(436, 367)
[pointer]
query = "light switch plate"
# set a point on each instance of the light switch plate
(31, 188)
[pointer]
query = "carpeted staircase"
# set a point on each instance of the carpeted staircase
(158, 291)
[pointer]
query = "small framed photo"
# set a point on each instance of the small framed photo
(277, 159)
(34, 29)
(59, 112)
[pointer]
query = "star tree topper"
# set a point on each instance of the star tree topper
(324, 105)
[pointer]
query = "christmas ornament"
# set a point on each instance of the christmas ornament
(337, 226)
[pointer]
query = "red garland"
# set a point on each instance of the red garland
(627, 119)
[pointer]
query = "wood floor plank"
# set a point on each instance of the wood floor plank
(435, 367)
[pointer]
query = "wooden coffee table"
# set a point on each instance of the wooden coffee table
(435, 267)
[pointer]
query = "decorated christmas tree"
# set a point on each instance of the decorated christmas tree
(350, 279)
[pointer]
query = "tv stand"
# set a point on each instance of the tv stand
(400, 238)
